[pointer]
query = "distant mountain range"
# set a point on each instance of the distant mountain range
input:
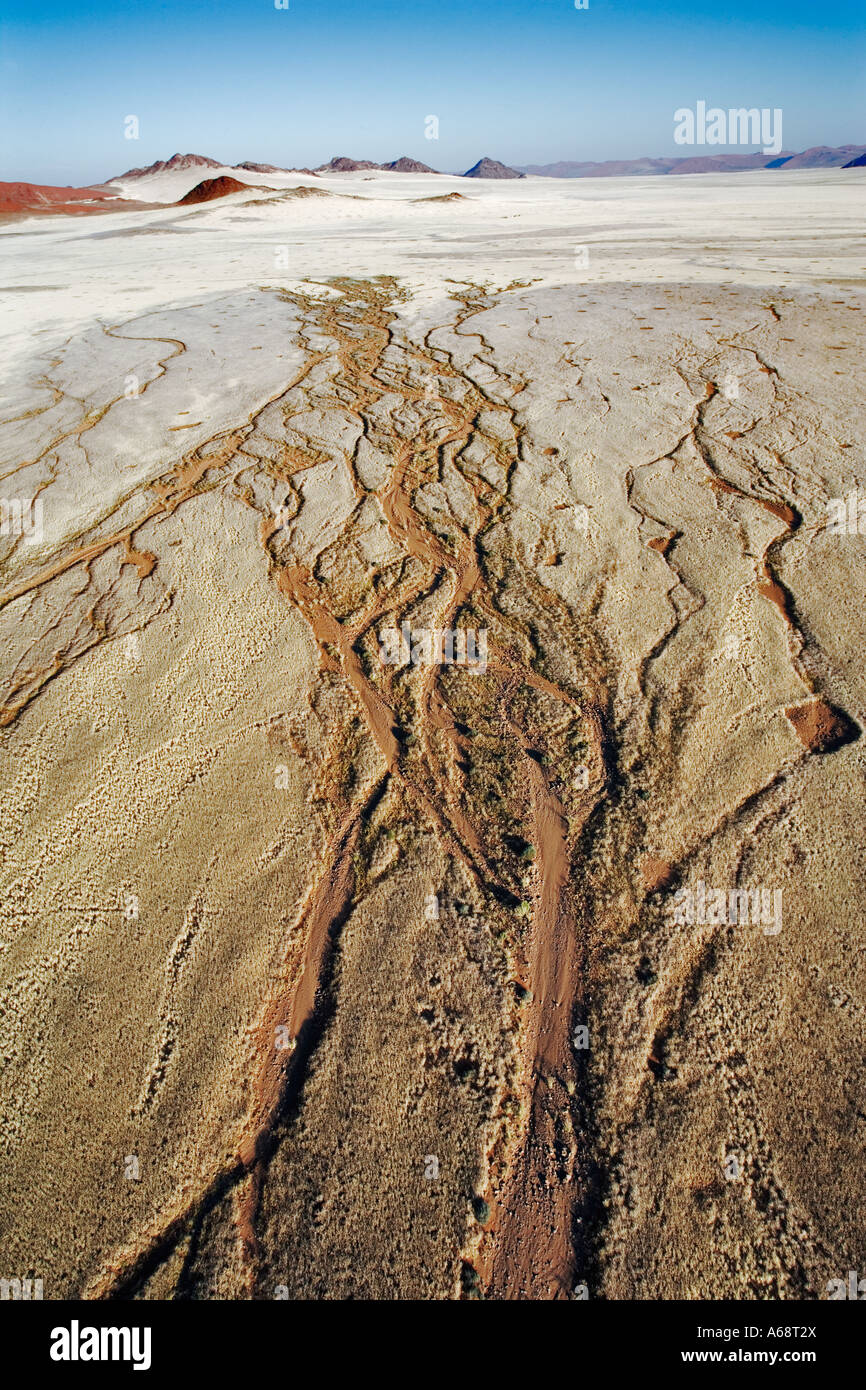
(201, 161)
(18, 199)
(818, 157)
(486, 168)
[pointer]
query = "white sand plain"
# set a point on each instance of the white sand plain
(605, 420)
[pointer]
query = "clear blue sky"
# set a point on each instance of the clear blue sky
(526, 81)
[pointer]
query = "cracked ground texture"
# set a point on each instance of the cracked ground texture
(297, 946)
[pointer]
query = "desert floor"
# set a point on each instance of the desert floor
(329, 977)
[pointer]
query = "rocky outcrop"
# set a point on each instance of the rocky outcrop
(487, 168)
(342, 164)
(407, 165)
(208, 189)
(177, 161)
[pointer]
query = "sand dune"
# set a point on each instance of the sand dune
(32, 198)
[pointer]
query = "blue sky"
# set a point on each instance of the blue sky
(526, 81)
